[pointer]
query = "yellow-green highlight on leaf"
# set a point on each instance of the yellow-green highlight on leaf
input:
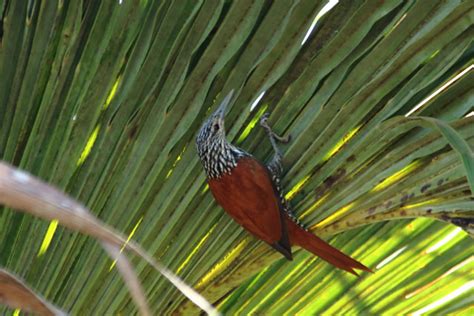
(423, 203)
(175, 163)
(254, 281)
(128, 239)
(112, 93)
(434, 54)
(205, 189)
(87, 149)
(450, 271)
(193, 252)
(397, 175)
(288, 277)
(252, 124)
(445, 240)
(53, 225)
(223, 264)
(315, 205)
(334, 216)
(459, 291)
(341, 143)
(16, 312)
(390, 258)
(193, 73)
(291, 194)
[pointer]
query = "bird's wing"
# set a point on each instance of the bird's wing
(248, 195)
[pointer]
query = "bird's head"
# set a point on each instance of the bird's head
(213, 129)
(217, 155)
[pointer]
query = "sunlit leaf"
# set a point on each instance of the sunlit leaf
(103, 99)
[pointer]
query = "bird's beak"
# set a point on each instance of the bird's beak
(223, 107)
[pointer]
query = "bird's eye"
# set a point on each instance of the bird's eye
(216, 127)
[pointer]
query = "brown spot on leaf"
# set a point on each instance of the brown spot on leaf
(444, 217)
(319, 192)
(425, 187)
(462, 221)
(351, 158)
(404, 198)
(133, 132)
(403, 212)
(372, 210)
(440, 182)
(330, 181)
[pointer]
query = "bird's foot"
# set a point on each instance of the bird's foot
(275, 165)
(271, 133)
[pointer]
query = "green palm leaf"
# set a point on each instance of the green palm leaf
(103, 99)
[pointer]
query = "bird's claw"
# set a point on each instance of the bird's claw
(272, 134)
(285, 139)
(264, 120)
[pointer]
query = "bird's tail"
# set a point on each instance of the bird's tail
(322, 249)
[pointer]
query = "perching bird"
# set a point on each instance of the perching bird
(250, 192)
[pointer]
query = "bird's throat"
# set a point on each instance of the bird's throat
(220, 157)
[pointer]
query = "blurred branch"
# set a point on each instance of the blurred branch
(15, 294)
(24, 192)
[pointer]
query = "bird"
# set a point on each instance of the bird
(250, 192)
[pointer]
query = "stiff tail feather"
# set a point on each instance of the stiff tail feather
(322, 249)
